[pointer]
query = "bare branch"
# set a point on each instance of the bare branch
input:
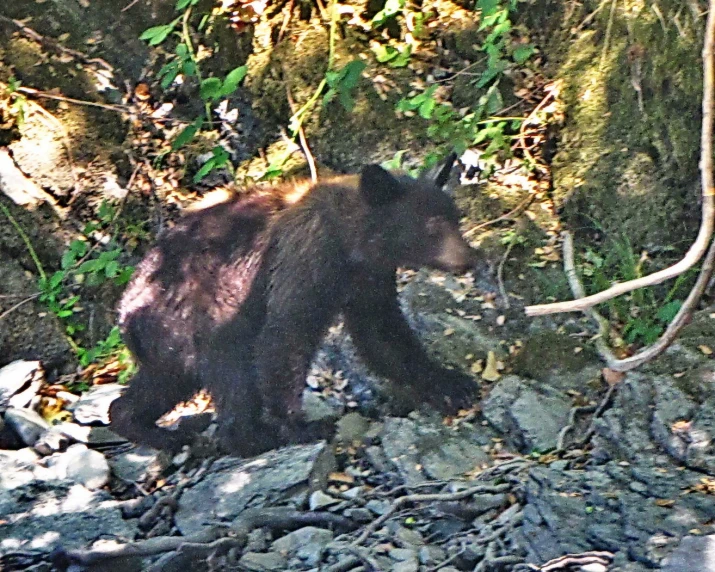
(699, 247)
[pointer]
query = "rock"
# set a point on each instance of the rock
(93, 406)
(19, 381)
(263, 562)
(28, 424)
(320, 500)
(425, 449)
(307, 544)
(29, 332)
(83, 466)
(352, 427)
(403, 554)
(40, 516)
(431, 555)
(530, 414)
(693, 553)
(287, 476)
(51, 441)
(406, 566)
(317, 408)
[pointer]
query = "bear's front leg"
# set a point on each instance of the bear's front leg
(390, 348)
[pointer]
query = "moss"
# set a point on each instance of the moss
(625, 161)
(546, 350)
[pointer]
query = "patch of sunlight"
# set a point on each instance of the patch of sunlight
(238, 482)
(46, 539)
(79, 499)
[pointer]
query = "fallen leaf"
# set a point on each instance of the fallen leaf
(612, 377)
(667, 503)
(477, 366)
(705, 349)
(490, 372)
(448, 332)
(500, 320)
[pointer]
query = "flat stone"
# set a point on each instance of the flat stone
(263, 562)
(693, 553)
(28, 424)
(17, 375)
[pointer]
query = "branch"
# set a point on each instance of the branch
(698, 248)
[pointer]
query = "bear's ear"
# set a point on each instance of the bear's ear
(439, 174)
(379, 186)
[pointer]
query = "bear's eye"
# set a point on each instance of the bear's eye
(435, 225)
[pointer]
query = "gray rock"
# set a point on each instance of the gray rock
(316, 408)
(320, 500)
(406, 566)
(287, 476)
(93, 406)
(431, 555)
(263, 562)
(51, 441)
(28, 424)
(19, 382)
(38, 517)
(403, 554)
(693, 553)
(134, 465)
(307, 544)
(530, 414)
(352, 427)
(426, 450)
(83, 466)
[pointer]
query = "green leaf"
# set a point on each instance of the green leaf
(68, 259)
(111, 269)
(427, 108)
(395, 162)
(205, 169)
(351, 73)
(125, 274)
(402, 59)
(210, 89)
(668, 312)
(494, 101)
(187, 134)
(488, 7)
(189, 68)
(89, 266)
(232, 80)
(182, 50)
(56, 279)
(181, 4)
(157, 34)
(522, 53)
(391, 9)
(384, 54)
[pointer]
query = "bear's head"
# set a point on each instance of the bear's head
(414, 222)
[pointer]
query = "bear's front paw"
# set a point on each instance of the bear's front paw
(451, 391)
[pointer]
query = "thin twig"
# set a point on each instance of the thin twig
(700, 246)
(26, 240)
(500, 275)
(517, 210)
(45, 95)
(16, 306)
(436, 497)
(129, 5)
(522, 128)
(303, 139)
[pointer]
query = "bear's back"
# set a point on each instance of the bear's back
(195, 278)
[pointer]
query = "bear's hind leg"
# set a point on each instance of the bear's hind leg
(150, 394)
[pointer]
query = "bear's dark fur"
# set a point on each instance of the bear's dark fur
(236, 298)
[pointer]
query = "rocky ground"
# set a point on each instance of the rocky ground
(555, 461)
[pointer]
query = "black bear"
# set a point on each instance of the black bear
(235, 299)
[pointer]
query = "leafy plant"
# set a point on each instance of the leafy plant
(451, 129)
(643, 314)
(212, 90)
